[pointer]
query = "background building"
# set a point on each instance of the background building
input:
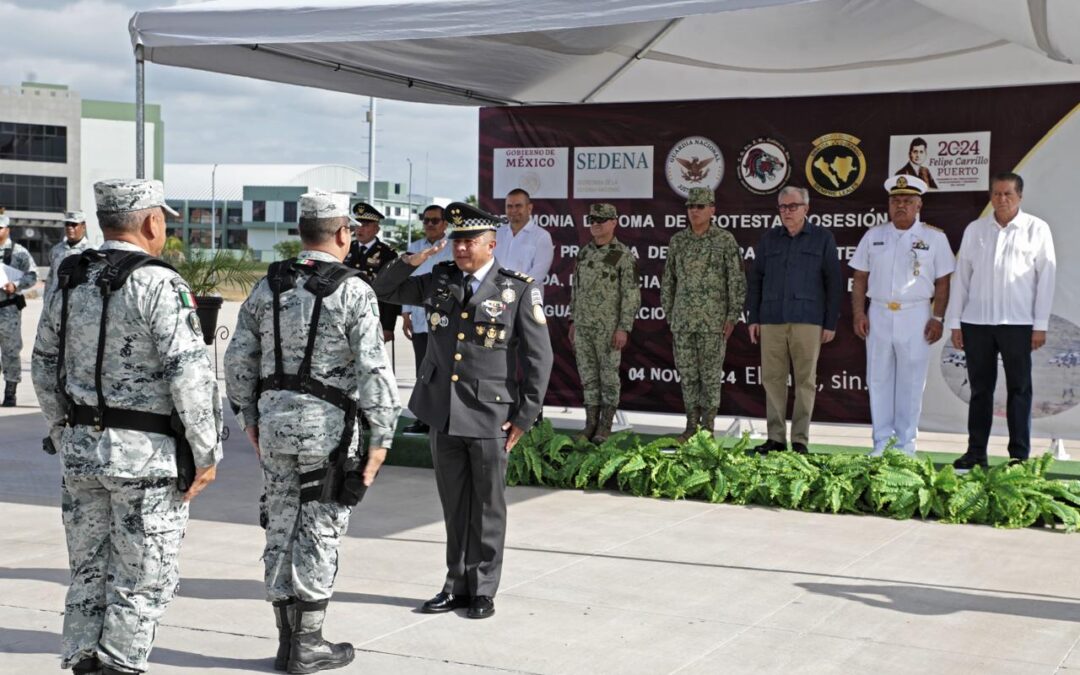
(53, 146)
(256, 204)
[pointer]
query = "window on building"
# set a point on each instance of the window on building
(177, 232)
(33, 193)
(203, 216)
(294, 232)
(397, 188)
(237, 239)
(290, 212)
(33, 142)
(236, 216)
(258, 212)
(199, 238)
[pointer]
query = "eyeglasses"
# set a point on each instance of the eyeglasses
(432, 221)
(790, 207)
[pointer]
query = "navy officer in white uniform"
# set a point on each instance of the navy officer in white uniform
(903, 267)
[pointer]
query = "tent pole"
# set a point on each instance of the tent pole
(637, 57)
(140, 113)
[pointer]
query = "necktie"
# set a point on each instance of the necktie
(467, 289)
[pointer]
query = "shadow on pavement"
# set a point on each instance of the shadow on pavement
(19, 641)
(936, 601)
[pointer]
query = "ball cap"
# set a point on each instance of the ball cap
(699, 196)
(320, 204)
(75, 217)
(121, 195)
(601, 212)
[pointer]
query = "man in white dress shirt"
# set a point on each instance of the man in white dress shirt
(524, 246)
(1002, 292)
(903, 266)
(414, 317)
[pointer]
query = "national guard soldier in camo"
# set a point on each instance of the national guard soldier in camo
(73, 243)
(369, 254)
(124, 513)
(702, 294)
(298, 395)
(12, 303)
(487, 325)
(604, 299)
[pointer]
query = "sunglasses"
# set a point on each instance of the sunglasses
(432, 221)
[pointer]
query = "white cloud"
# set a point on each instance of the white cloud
(219, 118)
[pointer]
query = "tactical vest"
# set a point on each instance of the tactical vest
(322, 484)
(118, 266)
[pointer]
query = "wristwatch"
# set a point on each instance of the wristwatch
(939, 319)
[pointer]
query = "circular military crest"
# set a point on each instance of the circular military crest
(764, 166)
(695, 161)
(508, 295)
(836, 166)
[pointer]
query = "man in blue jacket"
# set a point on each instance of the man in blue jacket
(793, 304)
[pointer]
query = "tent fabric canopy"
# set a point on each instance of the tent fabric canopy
(510, 52)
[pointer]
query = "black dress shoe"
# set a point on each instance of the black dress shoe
(482, 607)
(970, 460)
(768, 446)
(445, 602)
(416, 427)
(800, 448)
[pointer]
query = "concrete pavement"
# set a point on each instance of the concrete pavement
(594, 582)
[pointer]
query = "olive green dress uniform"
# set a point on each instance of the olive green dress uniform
(466, 388)
(371, 260)
(704, 287)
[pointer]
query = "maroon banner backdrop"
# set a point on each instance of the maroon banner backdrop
(642, 157)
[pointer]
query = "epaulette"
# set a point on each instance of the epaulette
(517, 275)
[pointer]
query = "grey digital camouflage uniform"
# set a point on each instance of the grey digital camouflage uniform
(57, 255)
(605, 297)
(297, 431)
(123, 515)
(10, 316)
(703, 287)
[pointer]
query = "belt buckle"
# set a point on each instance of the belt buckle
(894, 306)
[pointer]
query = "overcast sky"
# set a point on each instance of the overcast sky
(221, 118)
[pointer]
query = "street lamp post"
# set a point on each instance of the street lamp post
(213, 209)
(409, 236)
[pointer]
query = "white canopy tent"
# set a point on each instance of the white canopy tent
(517, 52)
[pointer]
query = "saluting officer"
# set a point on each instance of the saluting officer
(903, 266)
(485, 322)
(369, 254)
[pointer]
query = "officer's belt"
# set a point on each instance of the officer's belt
(308, 385)
(118, 418)
(13, 300)
(897, 306)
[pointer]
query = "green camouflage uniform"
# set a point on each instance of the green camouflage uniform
(123, 515)
(605, 297)
(704, 286)
(10, 316)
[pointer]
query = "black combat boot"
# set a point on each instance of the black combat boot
(603, 425)
(283, 616)
(9, 394)
(88, 666)
(309, 652)
(692, 417)
(592, 414)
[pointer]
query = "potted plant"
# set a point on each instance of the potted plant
(207, 272)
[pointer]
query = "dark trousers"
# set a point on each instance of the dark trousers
(982, 344)
(419, 349)
(471, 476)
